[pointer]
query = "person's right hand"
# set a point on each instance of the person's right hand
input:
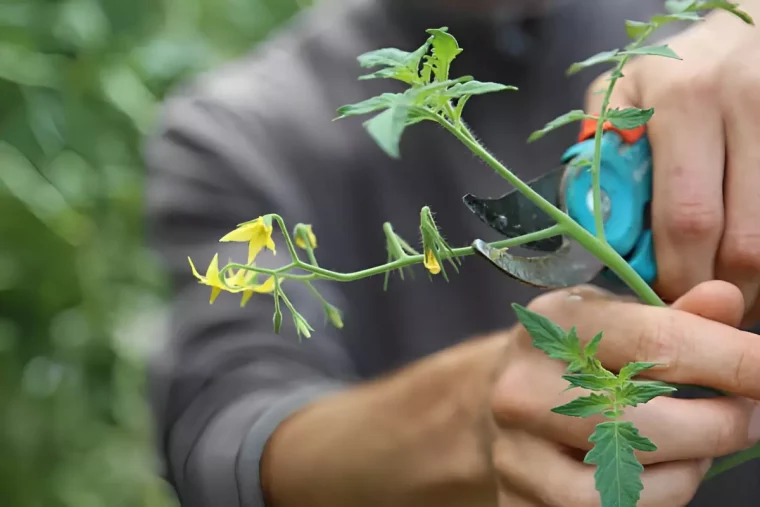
(538, 455)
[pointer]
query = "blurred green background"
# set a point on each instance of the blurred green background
(80, 297)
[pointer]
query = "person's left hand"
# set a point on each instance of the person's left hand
(705, 138)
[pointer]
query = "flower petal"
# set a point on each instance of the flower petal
(212, 273)
(431, 263)
(253, 250)
(266, 287)
(309, 235)
(242, 233)
(195, 271)
(246, 296)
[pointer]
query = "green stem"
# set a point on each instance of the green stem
(321, 273)
(286, 235)
(733, 461)
(600, 250)
(596, 163)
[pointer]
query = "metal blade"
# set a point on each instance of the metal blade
(513, 214)
(570, 265)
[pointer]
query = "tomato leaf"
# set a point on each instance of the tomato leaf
(618, 472)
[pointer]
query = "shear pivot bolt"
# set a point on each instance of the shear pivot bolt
(606, 203)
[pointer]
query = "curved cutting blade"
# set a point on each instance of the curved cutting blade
(570, 265)
(514, 215)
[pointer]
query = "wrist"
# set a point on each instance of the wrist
(415, 437)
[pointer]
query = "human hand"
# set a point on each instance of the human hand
(537, 454)
(706, 195)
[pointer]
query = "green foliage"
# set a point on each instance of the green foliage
(80, 82)
(629, 118)
(432, 95)
(662, 50)
(618, 470)
(564, 119)
(431, 91)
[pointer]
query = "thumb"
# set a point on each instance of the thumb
(715, 300)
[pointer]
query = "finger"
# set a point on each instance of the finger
(689, 348)
(534, 468)
(681, 429)
(715, 300)
(739, 253)
(688, 151)
(510, 499)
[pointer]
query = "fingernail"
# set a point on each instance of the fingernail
(754, 425)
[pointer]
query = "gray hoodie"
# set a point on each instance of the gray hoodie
(256, 137)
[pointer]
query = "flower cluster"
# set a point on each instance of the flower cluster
(258, 234)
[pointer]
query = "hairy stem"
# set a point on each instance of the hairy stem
(600, 250)
(316, 272)
(596, 163)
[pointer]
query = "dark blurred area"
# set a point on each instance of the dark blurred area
(80, 295)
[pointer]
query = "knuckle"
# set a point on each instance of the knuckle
(689, 480)
(660, 342)
(558, 304)
(692, 217)
(741, 250)
(692, 87)
(501, 457)
(740, 81)
(509, 402)
(737, 380)
(731, 434)
(548, 303)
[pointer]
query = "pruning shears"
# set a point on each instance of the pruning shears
(626, 189)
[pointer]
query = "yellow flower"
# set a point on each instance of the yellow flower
(212, 277)
(309, 234)
(431, 263)
(239, 281)
(257, 233)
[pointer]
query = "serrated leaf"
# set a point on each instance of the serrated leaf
(639, 391)
(603, 57)
(476, 88)
(663, 50)
(548, 336)
(618, 472)
(592, 382)
(370, 105)
(664, 19)
(445, 49)
(400, 65)
(419, 95)
(569, 117)
(592, 347)
(684, 6)
(629, 118)
(630, 370)
(400, 73)
(390, 57)
(585, 406)
(635, 29)
(677, 6)
(387, 127)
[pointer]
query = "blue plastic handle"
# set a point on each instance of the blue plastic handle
(626, 184)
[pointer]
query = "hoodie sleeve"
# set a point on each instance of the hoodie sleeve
(224, 380)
